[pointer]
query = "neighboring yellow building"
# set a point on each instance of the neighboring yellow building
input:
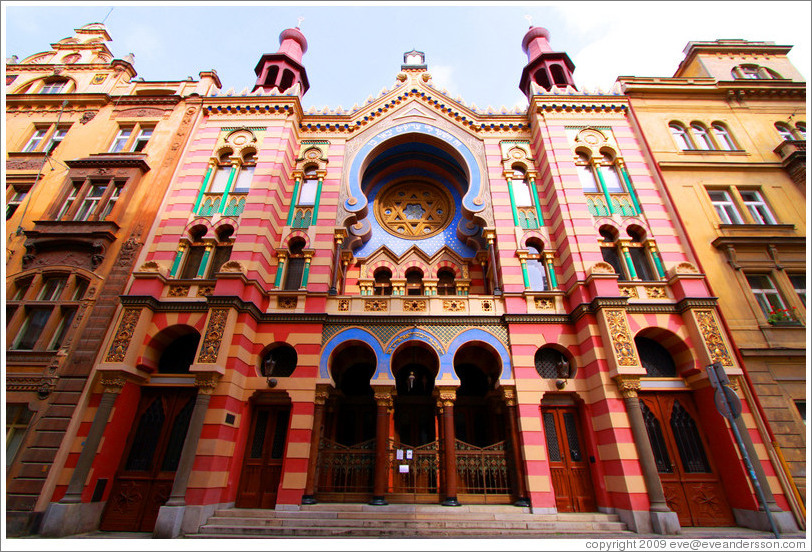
(91, 151)
(727, 133)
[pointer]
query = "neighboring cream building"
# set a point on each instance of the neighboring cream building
(728, 135)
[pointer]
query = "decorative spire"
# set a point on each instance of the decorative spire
(284, 69)
(545, 67)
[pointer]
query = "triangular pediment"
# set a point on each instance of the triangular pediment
(415, 110)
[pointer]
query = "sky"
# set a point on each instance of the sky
(473, 49)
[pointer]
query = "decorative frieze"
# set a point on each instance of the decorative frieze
(454, 305)
(287, 302)
(621, 338)
(126, 329)
(178, 291)
(343, 305)
(214, 336)
(487, 305)
(544, 304)
(628, 291)
(656, 292)
(205, 291)
(713, 337)
(375, 305)
(628, 385)
(414, 305)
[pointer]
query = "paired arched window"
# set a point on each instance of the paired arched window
(787, 132)
(307, 196)
(445, 282)
(536, 273)
(383, 282)
(752, 71)
(698, 137)
(296, 264)
(414, 282)
(631, 259)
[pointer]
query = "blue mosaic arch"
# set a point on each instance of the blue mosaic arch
(357, 201)
(475, 334)
(382, 360)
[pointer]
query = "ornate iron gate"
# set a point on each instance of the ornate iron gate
(345, 473)
(416, 475)
(483, 471)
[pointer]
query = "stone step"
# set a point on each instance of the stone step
(493, 525)
(235, 531)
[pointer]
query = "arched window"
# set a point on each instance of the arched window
(655, 358)
(307, 196)
(521, 188)
(559, 77)
(638, 253)
(414, 281)
(296, 264)
(611, 179)
(542, 79)
(723, 138)
(383, 282)
(536, 274)
(445, 283)
(279, 362)
(609, 251)
(680, 136)
(586, 175)
(800, 128)
(784, 130)
(246, 175)
(703, 140)
(551, 364)
(218, 183)
(55, 86)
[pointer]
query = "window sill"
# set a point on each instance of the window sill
(738, 152)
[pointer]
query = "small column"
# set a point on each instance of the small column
(321, 175)
(383, 400)
(663, 520)
(535, 193)
(315, 439)
(597, 168)
(178, 258)
(70, 516)
(509, 177)
(622, 166)
(398, 286)
(515, 450)
(306, 272)
(280, 267)
(430, 286)
(447, 397)
(490, 236)
(658, 262)
(550, 265)
(204, 262)
(624, 249)
(523, 259)
(205, 185)
(298, 176)
(235, 165)
(170, 515)
(338, 238)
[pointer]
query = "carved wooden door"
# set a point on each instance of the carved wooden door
(262, 465)
(144, 480)
(687, 472)
(569, 462)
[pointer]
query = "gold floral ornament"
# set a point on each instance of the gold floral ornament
(214, 335)
(621, 339)
(126, 329)
(414, 209)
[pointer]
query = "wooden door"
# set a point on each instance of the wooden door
(569, 462)
(262, 465)
(144, 480)
(687, 472)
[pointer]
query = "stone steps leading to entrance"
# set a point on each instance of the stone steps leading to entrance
(405, 521)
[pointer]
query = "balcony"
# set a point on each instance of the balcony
(793, 158)
(419, 305)
(621, 204)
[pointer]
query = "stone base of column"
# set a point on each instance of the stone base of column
(451, 501)
(544, 511)
(378, 501)
(168, 524)
(62, 520)
(665, 523)
(309, 499)
(522, 502)
(784, 521)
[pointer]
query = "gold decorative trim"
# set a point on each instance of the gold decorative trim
(487, 305)
(454, 305)
(206, 382)
(205, 291)
(628, 291)
(113, 382)
(628, 386)
(287, 302)
(343, 305)
(126, 329)
(214, 336)
(621, 338)
(384, 398)
(657, 292)
(375, 305)
(414, 209)
(414, 305)
(178, 291)
(545, 304)
(713, 337)
(509, 395)
(448, 396)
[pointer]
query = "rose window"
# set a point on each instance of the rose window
(414, 209)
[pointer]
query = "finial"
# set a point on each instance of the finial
(529, 19)
(299, 21)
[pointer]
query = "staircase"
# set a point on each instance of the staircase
(407, 521)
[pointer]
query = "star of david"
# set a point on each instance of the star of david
(414, 210)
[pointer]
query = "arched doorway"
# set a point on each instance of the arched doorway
(346, 464)
(682, 452)
(414, 452)
(147, 467)
(481, 429)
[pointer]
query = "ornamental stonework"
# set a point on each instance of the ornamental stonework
(414, 209)
(126, 328)
(544, 304)
(343, 305)
(628, 386)
(287, 302)
(454, 306)
(621, 338)
(487, 305)
(414, 305)
(375, 305)
(206, 382)
(178, 291)
(656, 292)
(214, 336)
(628, 291)
(205, 291)
(713, 337)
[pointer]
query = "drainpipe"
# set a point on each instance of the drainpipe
(766, 423)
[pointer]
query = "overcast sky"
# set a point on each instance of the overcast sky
(354, 50)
